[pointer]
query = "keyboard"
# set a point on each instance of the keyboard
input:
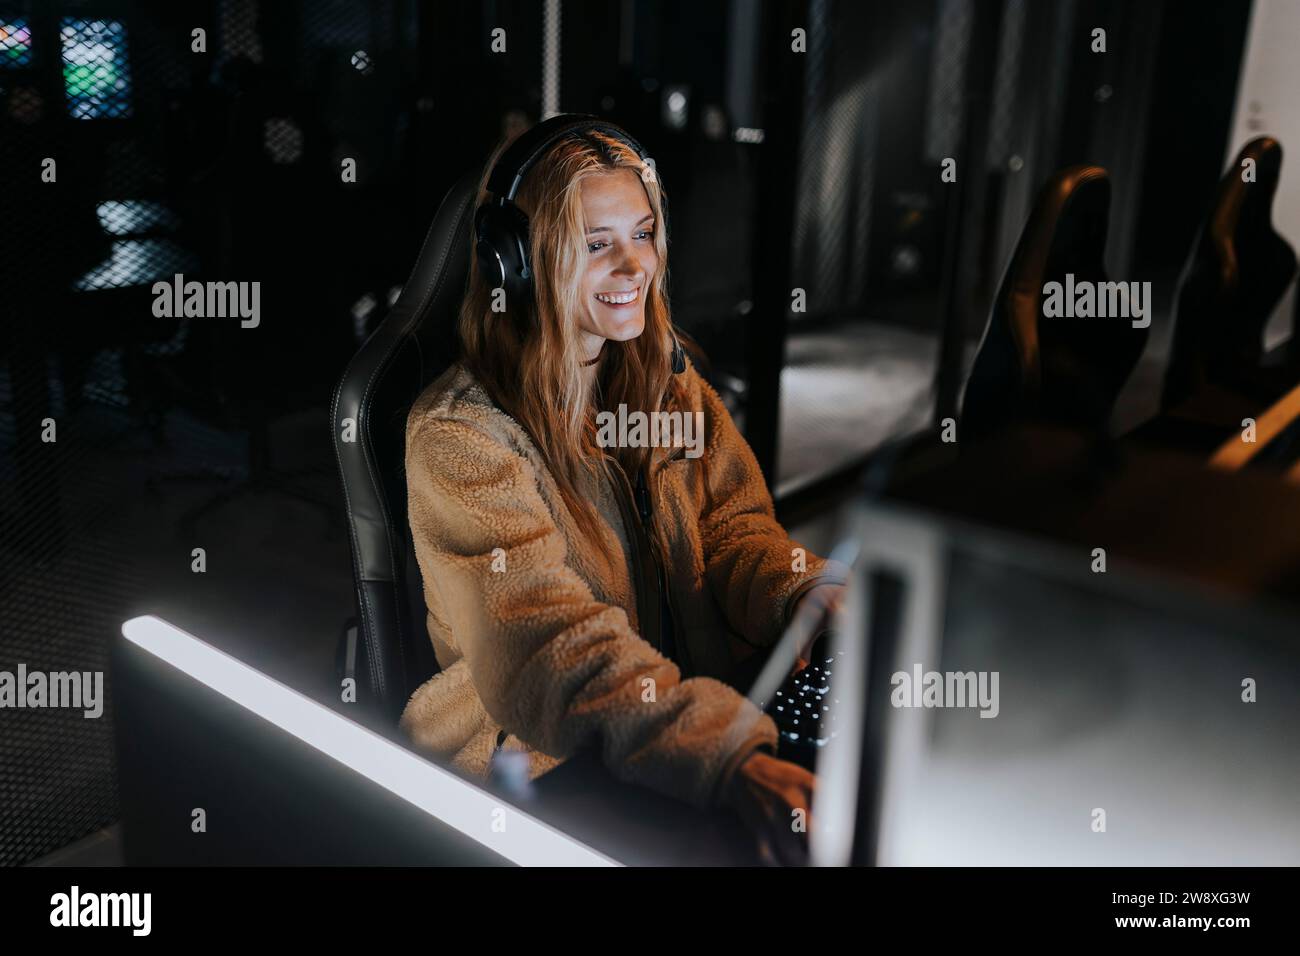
(804, 710)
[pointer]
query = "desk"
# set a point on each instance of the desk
(1212, 415)
(1201, 424)
(1234, 454)
(1238, 532)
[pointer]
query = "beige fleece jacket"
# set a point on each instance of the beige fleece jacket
(537, 633)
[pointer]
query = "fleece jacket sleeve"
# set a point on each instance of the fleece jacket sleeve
(749, 559)
(552, 665)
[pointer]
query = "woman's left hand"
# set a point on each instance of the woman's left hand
(823, 601)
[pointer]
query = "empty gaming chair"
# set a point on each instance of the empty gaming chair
(387, 648)
(1239, 269)
(1063, 371)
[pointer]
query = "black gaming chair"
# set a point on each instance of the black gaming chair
(1065, 371)
(1239, 269)
(387, 648)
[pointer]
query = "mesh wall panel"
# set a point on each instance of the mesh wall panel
(96, 70)
(66, 582)
(15, 43)
(338, 34)
(168, 161)
(91, 92)
(239, 37)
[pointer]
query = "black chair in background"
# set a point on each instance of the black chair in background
(1065, 371)
(1238, 271)
(387, 648)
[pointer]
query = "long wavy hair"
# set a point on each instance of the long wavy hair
(529, 357)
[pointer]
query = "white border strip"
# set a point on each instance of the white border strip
(441, 794)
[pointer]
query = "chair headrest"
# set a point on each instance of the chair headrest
(1243, 210)
(1236, 275)
(1066, 233)
(1068, 370)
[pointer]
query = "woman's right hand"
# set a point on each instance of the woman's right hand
(767, 793)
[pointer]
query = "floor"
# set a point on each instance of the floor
(845, 390)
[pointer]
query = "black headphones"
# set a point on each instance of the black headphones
(501, 228)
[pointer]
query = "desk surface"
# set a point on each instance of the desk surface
(1238, 532)
(1213, 414)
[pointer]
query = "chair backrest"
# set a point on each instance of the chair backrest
(414, 344)
(1237, 273)
(1064, 370)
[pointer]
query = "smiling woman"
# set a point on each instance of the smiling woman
(583, 596)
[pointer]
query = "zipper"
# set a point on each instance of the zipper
(679, 635)
(647, 517)
(648, 610)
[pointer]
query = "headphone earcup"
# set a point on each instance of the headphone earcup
(502, 249)
(501, 227)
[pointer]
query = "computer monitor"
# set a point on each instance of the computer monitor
(1075, 716)
(221, 764)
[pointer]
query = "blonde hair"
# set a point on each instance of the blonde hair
(528, 358)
